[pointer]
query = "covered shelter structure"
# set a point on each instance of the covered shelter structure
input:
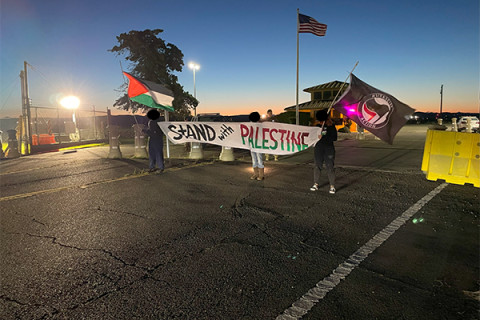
(321, 97)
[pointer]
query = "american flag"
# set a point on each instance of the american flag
(309, 25)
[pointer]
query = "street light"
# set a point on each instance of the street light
(72, 103)
(194, 67)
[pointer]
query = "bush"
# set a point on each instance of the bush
(290, 117)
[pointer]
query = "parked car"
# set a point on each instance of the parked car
(462, 123)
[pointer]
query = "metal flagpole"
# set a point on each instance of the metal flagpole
(340, 90)
(296, 107)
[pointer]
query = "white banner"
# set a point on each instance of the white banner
(266, 137)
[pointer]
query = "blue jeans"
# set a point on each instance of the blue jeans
(155, 152)
(257, 159)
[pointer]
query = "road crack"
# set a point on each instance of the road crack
(111, 254)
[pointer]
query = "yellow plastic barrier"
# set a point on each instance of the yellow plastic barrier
(452, 156)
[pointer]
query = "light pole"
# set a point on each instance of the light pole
(441, 99)
(194, 67)
(72, 103)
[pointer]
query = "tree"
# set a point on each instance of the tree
(154, 60)
(289, 117)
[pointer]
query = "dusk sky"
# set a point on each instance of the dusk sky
(246, 50)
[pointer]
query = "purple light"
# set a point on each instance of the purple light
(351, 110)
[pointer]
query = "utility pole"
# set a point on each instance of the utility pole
(441, 99)
(25, 138)
(22, 126)
(26, 109)
(27, 103)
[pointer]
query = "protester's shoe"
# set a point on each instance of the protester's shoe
(332, 190)
(255, 174)
(261, 174)
(314, 187)
(151, 170)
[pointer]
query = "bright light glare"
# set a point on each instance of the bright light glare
(70, 102)
(193, 66)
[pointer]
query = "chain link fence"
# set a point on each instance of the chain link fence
(59, 126)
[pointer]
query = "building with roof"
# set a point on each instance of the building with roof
(321, 97)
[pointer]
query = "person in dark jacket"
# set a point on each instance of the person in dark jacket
(155, 142)
(325, 150)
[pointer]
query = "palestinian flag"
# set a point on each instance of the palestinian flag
(149, 93)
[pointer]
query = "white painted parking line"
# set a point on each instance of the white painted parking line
(303, 305)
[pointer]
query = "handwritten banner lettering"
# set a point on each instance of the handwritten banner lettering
(266, 137)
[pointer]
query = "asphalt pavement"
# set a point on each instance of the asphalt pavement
(87, 237)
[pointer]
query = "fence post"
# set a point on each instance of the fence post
(140, 146)
(113, 135)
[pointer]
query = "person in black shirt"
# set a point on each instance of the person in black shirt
(325, 150)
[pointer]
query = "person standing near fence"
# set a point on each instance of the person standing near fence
(257, 157)
(270, 118)
(155, 141)
(324, 150)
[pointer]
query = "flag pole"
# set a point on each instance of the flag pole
(340, 90)
(166, 119)
(296, 106)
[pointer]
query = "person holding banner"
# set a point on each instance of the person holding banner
(155, 141)
(324, 150)
(270, 118)
(257, 157)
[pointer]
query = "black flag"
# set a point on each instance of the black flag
(372, 109)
